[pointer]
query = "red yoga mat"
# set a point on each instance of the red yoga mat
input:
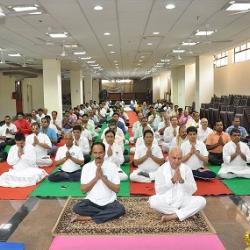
(20, 193)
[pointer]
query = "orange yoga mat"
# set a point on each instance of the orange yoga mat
(20, 193)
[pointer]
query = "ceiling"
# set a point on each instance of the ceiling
(131, 24)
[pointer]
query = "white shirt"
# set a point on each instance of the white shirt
(85, 133)
(27, 160)
(155, 122)
(230, 148)
(192, 122)
(117, 156)
(139, 131)
(169, 133)
(69, 166)
(11, 127)
(203, 134)
(42, 138)
(149, 165)
(135, 125)
(194, 162)
(83, 144)
(100, 194)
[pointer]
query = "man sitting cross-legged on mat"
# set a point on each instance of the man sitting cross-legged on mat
(70, 158)
(174, 186)
(100, 180)
(195, 155)
(148, 157)
(236, 155)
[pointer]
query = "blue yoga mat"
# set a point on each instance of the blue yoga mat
(11, 246)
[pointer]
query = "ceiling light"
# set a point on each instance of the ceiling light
(70, 45)
(86, 58)
(142, 56)
(204, 32)
(110, 44)
(156, 33)
(115, 61)
(79, 53)
(238, 6)
(58, 35)
(95, 65)
(24, 8)
(90, 62)
(165, 60)
(98, 7)
(35, 13)
(140, 60)
(138, 64)
(14, 54)
(106, 34)
(1, 12)
(189, 43)
(112, 52)
(170, 6)
(178, 50)
(149, 44)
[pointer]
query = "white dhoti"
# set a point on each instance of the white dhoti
(22, 177)
(189, 205)
(229, 172)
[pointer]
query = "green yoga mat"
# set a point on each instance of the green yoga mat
(66, 189)
(239, 186)
(7, 148)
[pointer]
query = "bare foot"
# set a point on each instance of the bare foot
(168, 217)
(80, 218)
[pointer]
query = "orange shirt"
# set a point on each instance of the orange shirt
(213, 138)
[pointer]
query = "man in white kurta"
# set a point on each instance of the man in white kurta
(195, 155)
(42, 144)
(169, 133)
(203, 130)
(70, 158)
(114, 153)
(100, 180)
(236, 155)
(174, 186)
(148, 157)
(24, 172)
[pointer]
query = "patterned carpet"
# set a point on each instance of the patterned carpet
(139, 219)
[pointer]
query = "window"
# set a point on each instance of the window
(221, 59)
(242, 53)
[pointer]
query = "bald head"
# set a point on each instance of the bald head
(175, 157)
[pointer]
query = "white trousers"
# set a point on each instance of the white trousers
(229, 172)
(44, 162)
(139, 178)
(190, 206)
(122, 175)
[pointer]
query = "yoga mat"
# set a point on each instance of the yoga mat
(137, 188)
(66, 188)
(11, 246)
(173, 242)
(20, 193)
(214, 187)
(238, 186)
(7, 148)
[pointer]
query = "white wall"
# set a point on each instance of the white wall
(7, 104)
(189, 84)
(232, 79)
(178, 85)
(161, 84)
(37, 93)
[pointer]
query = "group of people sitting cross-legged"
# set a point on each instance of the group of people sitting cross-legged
(172, 147)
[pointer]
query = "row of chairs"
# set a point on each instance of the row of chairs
(226, 108)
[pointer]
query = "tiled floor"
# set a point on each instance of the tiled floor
(35, 230)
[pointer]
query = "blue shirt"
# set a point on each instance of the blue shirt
(51, 133)
(243, 131)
